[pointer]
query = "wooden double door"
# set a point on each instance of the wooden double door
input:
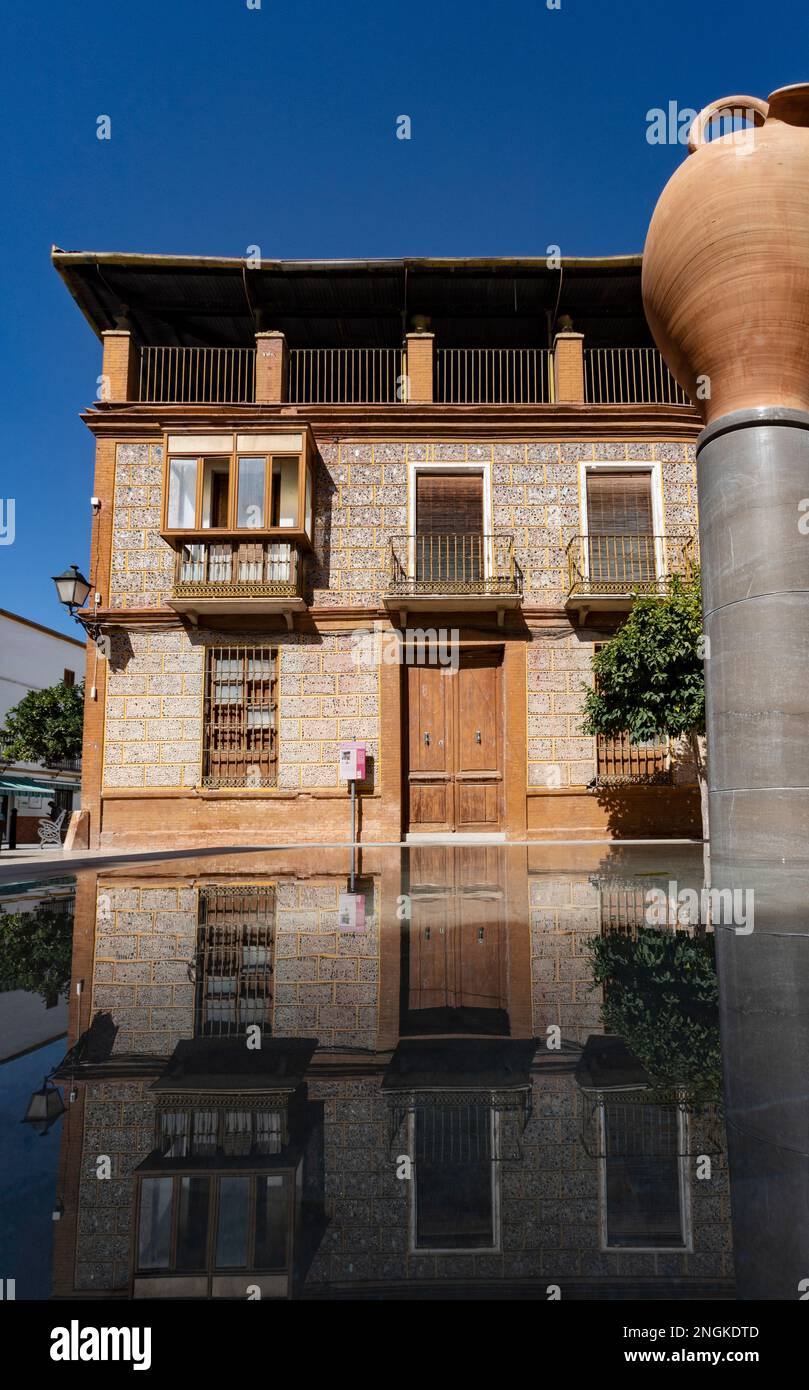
(455, 744)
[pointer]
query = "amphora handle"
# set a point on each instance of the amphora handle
(740, 106)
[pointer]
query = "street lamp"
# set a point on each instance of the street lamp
(73, 590)
(44, 1108)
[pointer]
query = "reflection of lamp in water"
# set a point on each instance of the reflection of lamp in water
(44, 1108)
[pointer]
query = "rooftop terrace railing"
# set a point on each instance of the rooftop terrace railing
(355, 376)
(629, 376)
(494, 376)
(378, 376)
(197, 375)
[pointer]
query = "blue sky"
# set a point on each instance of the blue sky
(276, 127)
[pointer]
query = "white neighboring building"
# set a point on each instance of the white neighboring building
(33, 657)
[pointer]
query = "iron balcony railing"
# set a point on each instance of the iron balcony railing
(601, 563)
(357, 376)
(197, 375)
(465, 563)
(378, 376)
(494, 376)
(629, 376)
(238, 569)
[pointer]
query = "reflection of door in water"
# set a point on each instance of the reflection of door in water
(457, 948)
(455, 766)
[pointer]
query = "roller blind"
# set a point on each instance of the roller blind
(449, 504)
(619, 503)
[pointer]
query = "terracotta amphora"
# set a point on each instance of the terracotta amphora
(726, 263)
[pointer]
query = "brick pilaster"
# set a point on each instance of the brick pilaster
(272, 367)
(568, 366)
(121, 366)
(419, 369)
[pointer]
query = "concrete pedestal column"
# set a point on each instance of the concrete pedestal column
(753, 476)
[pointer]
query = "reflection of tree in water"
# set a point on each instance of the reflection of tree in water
(661, 996)
(35, 951)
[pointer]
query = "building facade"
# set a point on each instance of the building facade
(433, 1105)
(413, 540)
(33, 657)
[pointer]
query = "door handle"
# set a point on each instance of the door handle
(477, 736)
(427, 739)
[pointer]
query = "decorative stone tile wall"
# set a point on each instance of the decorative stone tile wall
(119, 1123)
(549, 1202)
(142, 563)
(559, 663)
(564, 913)
(549, 1199)
(154, 715)
(145, 943)
(326, 981)
(361, 501)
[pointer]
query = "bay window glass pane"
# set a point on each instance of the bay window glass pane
(215, 492)
(182, 493)
(251, 492)
(192, 1231)
(307, 525)
(271, 1222)
(284, 495)
(231, 1234)
(154, 1235)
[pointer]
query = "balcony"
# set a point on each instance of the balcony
(237, 576)
(471, 572)
(607, 572)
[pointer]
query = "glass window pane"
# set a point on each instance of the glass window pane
(454, 1169)
(192, 1233)
(154, 1236)
(271, 1222)
(643, 1176)
(251, 492)
(284, 496)
(215, 492)
(231, 1234)
(182, 492)
(308, 508)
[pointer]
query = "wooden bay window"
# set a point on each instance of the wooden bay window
(249, 487)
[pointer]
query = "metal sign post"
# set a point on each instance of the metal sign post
(352, 769)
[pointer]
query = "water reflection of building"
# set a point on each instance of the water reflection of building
(430, 1035)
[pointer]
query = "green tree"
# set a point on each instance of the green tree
(35, 951)
(46, 726)
(649, 678)
(661, 996)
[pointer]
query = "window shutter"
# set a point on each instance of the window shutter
(619, 503)
(449, 504)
